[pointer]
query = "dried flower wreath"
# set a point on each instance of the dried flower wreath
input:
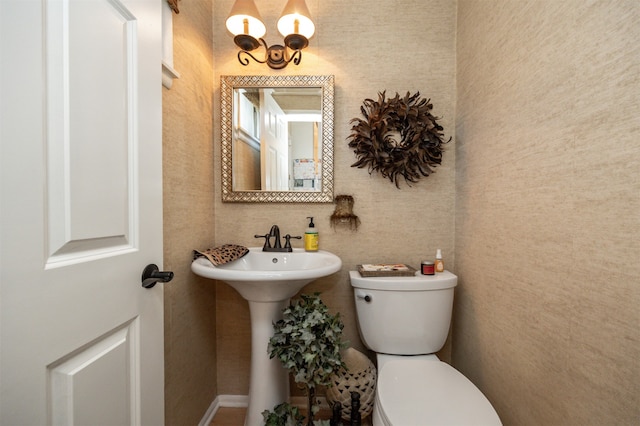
(374, 139)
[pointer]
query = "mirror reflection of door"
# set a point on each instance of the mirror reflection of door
(274, 149)
(276, 142)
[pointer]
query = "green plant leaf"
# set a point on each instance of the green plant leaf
(307, 341)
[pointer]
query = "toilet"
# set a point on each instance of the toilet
(405, 321)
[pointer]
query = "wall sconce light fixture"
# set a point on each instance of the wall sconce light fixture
(295, 24)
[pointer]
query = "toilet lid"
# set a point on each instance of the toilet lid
(431, 392)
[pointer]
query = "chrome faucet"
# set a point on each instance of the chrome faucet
(277, 245)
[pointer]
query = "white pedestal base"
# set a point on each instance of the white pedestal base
(269, 381)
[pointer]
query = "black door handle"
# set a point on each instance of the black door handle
(151, 275)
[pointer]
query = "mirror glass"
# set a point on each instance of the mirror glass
(277, 138)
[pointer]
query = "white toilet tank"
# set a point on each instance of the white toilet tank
(404, 315)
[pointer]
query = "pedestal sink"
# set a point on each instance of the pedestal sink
(267, 280)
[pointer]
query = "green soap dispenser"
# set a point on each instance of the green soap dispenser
(311, 237)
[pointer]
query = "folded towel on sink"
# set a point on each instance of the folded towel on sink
(223, 254)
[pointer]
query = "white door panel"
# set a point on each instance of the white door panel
(274, 146)
(106, 361)
(81, 340)
(91, 136)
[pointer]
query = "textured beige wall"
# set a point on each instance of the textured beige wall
(362, 43)
(547, 245)
(190, 346)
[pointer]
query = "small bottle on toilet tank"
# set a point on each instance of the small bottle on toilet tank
(439, 264)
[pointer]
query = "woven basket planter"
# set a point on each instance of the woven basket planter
(360, 377)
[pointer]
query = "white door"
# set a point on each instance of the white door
(81, 213)
(274, 145)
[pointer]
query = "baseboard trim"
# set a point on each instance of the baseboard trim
(234, 400)
(210, 413)
(223, 401)
(242, 401)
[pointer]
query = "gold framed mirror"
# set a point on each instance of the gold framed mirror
(277, 139)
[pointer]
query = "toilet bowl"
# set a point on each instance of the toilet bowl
(422, 390)
(405, 320)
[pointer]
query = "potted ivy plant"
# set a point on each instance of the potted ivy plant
(307, 341)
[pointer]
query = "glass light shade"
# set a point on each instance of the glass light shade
(245, 10)
(296, 19)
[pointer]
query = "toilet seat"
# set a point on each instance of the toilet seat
(420, 392)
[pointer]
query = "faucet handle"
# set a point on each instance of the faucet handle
(287, 239)
(267, 241)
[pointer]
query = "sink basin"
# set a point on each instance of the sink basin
(267, 280)
(270, 276)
